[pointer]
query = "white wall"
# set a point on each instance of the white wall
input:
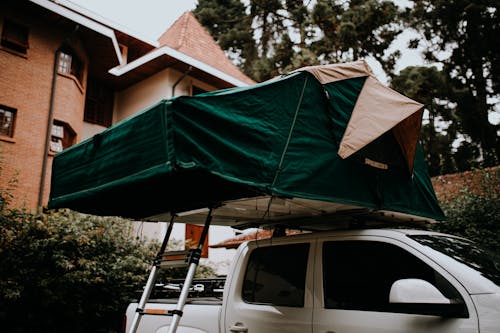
(145, 94)
(89, 130)
(152, 90)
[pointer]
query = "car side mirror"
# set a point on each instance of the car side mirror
(418, 296)
(415, 291)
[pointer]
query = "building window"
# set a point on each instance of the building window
(7, 121)
(62, 136)
(98, 103)
(70, 64)
(14, 37)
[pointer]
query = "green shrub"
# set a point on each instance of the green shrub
(474, 213)
(68, 272)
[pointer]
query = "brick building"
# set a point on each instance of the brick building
(66, 74)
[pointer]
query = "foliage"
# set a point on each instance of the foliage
(474, 213)
(65, 271)
(271, 38)
(228, 23)
(429, 86)
(356, 29)
(463, 36)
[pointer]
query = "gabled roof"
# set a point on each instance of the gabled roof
(188, 36)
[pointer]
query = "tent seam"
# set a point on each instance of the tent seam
(292, 127)
(285, 148)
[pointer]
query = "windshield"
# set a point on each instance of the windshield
(485, 262)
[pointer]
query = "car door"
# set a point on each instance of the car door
(353, 287)
(274, 293)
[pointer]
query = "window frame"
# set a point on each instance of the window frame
(12, 44)
(12, 129)
(304, 302)
(71, 65)
(68, 139)
(105, 106)
(321, 292)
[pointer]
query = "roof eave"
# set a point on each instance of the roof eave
(84, 21)
(104, 21)
(165, 50)
(93, 22)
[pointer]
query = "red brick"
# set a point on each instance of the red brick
(25, 84)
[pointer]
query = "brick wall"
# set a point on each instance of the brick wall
(447, 187)
(25, 85)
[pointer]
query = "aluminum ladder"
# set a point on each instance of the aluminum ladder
(164, 260)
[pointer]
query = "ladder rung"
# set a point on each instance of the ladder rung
(160, 312)
(156, 312)
(174, 259)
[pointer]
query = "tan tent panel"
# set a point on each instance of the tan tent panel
(377, 110)
(406, 133)
(337, 72)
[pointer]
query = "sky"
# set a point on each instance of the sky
(151, 18)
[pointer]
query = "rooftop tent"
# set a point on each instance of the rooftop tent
(322, 141)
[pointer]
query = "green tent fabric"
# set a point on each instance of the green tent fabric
(278, 139)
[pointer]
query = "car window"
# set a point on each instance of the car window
(466, 252)
(358, 275)
(276, 275)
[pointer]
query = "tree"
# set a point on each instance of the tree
(231, 27)
(288, 34)
(429, 86)
(356, 29)
(463, 36)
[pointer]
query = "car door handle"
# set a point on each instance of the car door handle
(238, 328)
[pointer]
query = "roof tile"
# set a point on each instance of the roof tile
(188, 36)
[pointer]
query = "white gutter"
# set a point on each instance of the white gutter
(85, 22)
(105, 21)
(165, 50)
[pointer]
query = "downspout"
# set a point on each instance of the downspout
(180, 79)
(50, 119)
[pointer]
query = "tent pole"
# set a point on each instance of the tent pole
(194, 260)
(151, 279)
